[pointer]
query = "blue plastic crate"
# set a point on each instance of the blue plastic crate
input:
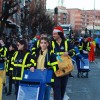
(28, 92)
(38, 76)
(34, 91)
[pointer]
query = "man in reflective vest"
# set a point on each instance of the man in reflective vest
(59, 46)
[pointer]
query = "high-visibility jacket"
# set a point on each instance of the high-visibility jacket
(35, 47)
(76, 54)
(20, 62)
(8, 61)
(3, 52)
(6, 65)
(50, 61)
(59, 50)
(84, 46)
(71, 48)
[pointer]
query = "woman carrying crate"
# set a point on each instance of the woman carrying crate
(45, 60)
(20, 61)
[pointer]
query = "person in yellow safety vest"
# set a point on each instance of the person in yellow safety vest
(46, 60)
(11, 51)
(84, 49)
(21, 60)
(84, 45)
(36, 43)
(3, 53)
(59, 46)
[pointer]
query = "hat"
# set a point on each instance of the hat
(90, 39)
(37, 36)
(58, 29)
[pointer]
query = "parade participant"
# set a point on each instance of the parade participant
(76, 57)
(12, 49)
(3, 53)
(71, 48)
(32, 42)
(84, 50)
(20, 61)
(59, 46)
(37, 42)
(45, 60)
(92, 50)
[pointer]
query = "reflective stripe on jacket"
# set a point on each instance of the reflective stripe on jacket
(63, 48)
(18, 68)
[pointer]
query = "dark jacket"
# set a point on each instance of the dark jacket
(3, 53)
(50, 57)
(8, 62)
(20, 61)
(64, 47)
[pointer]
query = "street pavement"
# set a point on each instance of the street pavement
(79, 88)
(85, 88)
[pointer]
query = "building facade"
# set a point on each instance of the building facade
(91, 19)
(84, 19)
(61, 17)
(75, 20)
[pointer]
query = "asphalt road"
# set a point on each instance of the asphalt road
(85, 88)
(80, 88)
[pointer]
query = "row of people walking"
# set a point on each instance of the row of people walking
(43, 55)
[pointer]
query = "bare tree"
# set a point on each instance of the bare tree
(10, 8)
(39, 21)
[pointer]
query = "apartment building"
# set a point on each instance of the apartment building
(75, 20)
(84, 19)
(61, 17)
(90, 19)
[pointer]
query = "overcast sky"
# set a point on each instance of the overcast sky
(81, 4)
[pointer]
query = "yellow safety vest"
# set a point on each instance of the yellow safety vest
(59, 53)
(22, 66)
(87, 47)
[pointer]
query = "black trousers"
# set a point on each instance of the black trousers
(10, 83)
(59, 87)
(16, 87)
